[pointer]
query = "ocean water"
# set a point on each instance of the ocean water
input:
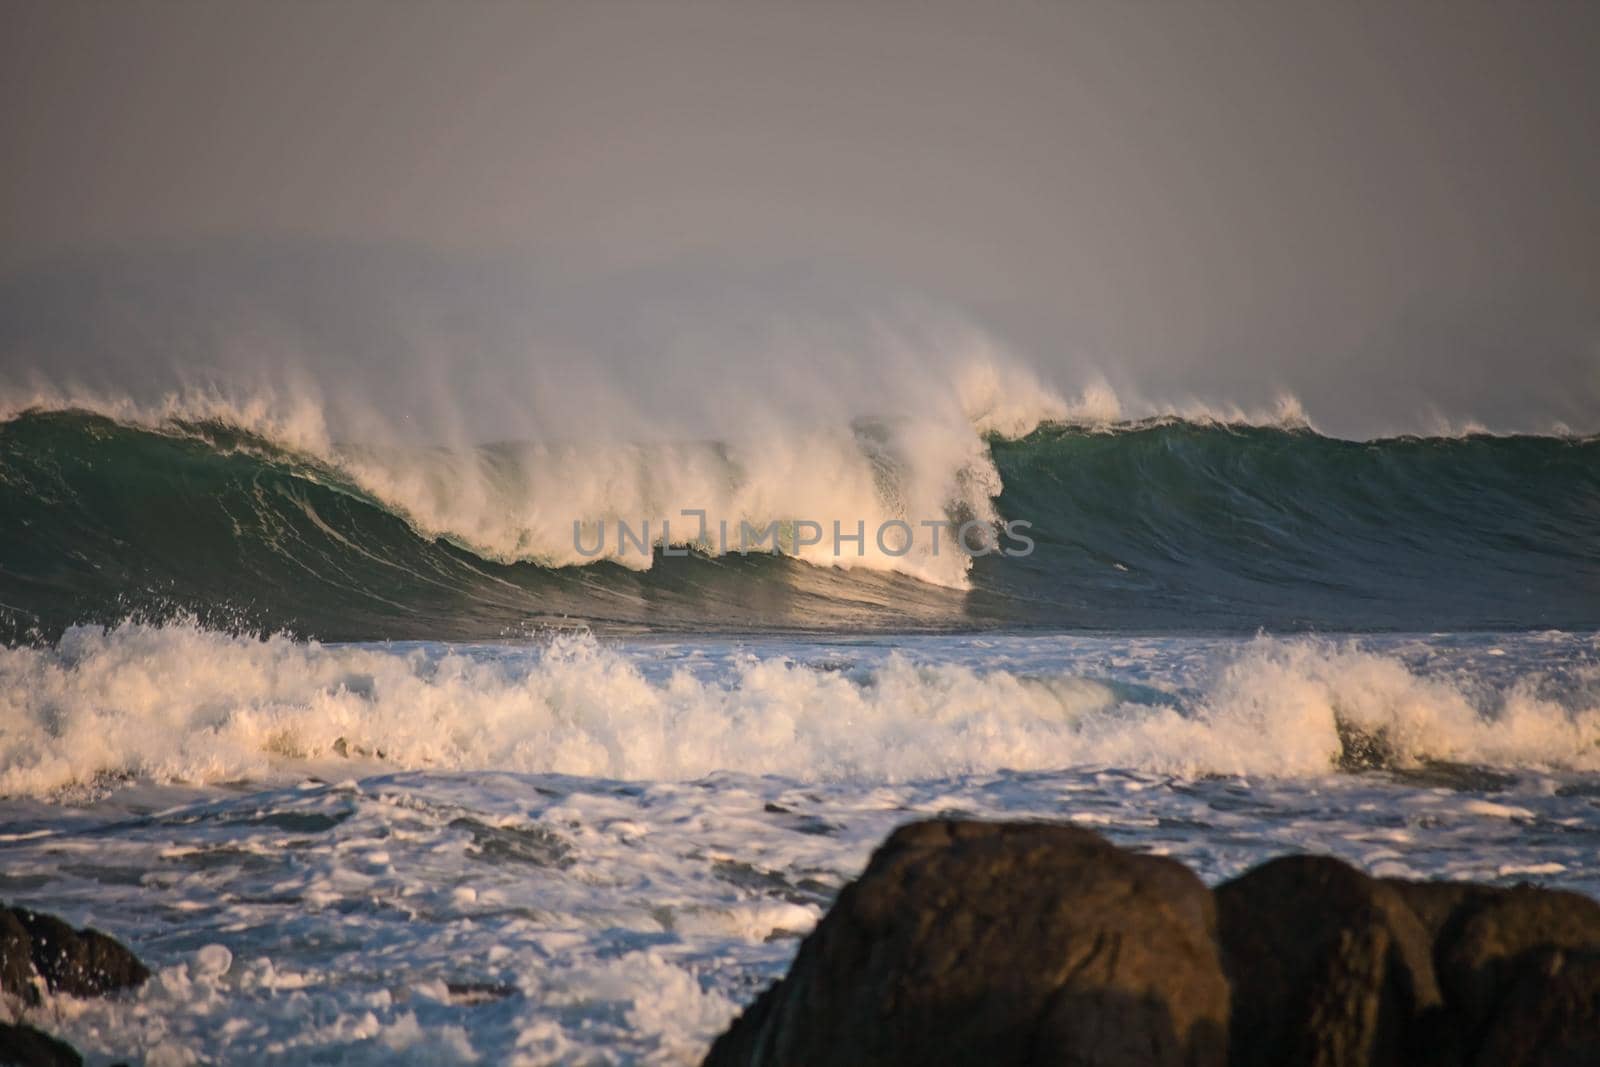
(1164, 524)
(345, 743)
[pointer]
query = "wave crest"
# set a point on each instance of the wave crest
(533, 501)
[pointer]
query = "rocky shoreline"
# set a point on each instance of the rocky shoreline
(967, 942)
(40, 954)
(1029, 943)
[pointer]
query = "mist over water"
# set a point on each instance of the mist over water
(632, 216)
(397, 344)
(477, 428)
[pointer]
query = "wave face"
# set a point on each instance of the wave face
(1249, 526)
(1164, 525)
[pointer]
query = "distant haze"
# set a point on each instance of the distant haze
(509, 210)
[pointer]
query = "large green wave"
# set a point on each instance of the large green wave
(1160, 526)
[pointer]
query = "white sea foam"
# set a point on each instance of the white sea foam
(322, 911)
(913, 454)
(179, 703)
(1285, 413)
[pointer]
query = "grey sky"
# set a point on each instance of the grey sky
(1386, 209)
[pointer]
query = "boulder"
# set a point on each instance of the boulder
(79, 963)
(1478, 949)
(16, 959)
(1436, 903)
(1024, 943)
(994, 944)
(23, 1046)
(1328, 967)
(1515, 966)
(1549, 1015)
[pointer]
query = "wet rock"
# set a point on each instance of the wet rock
(1549, 1015)
(993, 944)
(79, 963)
(738, 1045)
(1328, 967)
(23, 1046)
(1478, 948)
(1022, 943)
(1513, 965)
(1436, 903)
(472, 993)
(16, 959)
(535, 845)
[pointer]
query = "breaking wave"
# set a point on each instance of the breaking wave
(181, 703)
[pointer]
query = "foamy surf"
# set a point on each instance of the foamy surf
(434, 917)
(915, 456)
(178, 703)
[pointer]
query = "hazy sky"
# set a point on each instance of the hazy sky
(1389, 209)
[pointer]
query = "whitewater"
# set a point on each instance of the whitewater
(178, 703)
(346, 738)
(596, 850)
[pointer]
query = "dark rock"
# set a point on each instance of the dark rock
(993, 944)
(1478, 948)
(80, 963)
(23, 1046)
(16, 958)
(1328, 966)
(1494, 950)
(1436, 903)
(1549, 1015)
(737, 1046)
(1022, 943)
(479, 992)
